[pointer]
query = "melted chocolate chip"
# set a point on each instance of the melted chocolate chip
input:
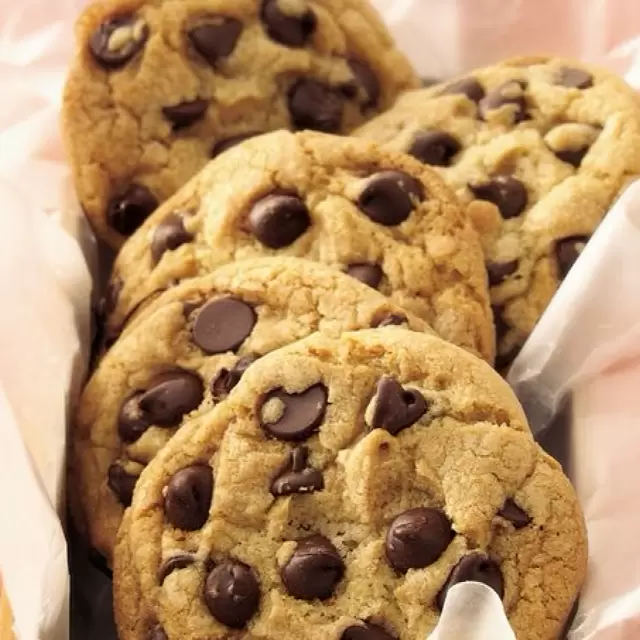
(469, 87)
(288, 29)
(367, 631)
(367, 81)
(132, 422)
(575, 78)
(174, 563)
(567, 252)
(296, 476)
(223, 325)
(232, 593)
(278, 220)
(228, 143)
(514, 514)
(118, 40)
(170, 396)
(476, 567)
(129, 208)
(314, 570)
(573, 157)
(389, 320)
(168, 236)
(369, 274)
(389, 197)
(227, 379)
(507, 193)
(217, 38)
(121, 483)
(297, 415)
(188, 497)
(510, 93)
(314, 105)
(186, 113)
(396, 408)
(436, 148)
(500, 271)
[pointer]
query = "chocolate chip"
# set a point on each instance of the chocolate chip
(367, 631)
(575, 78)
(174, 563)
(118, 40)
(417, 538)
(297, 415)
(572, 156)
(567, 251)
(314, 570)
(369, 274)
(514, 514)
(224, 145)
(367, 81)
(169, 235)
(232, 593)
(129, 208)
(227, 379)
(278, 220)
(157, 633)
(315, 105)
(436, 148)
(217, 38)
(223, 325)
(296, 476)
(170, 396)
(132, 421)
(396, 408)
(469, 87)
(186, 113)
(389, 320)
(475, 567)
(389, 197)
(510, 93)
(121, 483)
(507, 193)
(500, 271)
(188, 497)
(292, 30)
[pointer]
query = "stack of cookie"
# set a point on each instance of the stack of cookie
(293, 428)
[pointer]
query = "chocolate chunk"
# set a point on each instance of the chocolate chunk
(475, 567)
(121, 483)
(469, 87)
(575, 78)
(436, 148)
(507, 193)
(157, 633)
(297, 415)
(296, 476)
(174, 563)
(369, 274)
(169, 235)
(292, 30)
(389, 197)
(188, 497)
(514, 514)
(389, 320)
(129, 208)
(223, 325)
(510, 93)
(573, 157)
(186, 113)
(217, 38)
(396, 408)
(417, 538)
(500, 271)
(232, 593)
(367, 631)
(567, 251)
(227, 143)
(227, 379)
(367, 82)
(315, 105)
(314, 570)
(278, 220)
(118, 40)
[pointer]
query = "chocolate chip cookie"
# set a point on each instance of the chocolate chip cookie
(184, 354)
(358, 479)
(540, 147)
(158, 87)
(380, 216)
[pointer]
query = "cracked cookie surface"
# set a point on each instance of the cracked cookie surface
(158, 87)
(339, 491)
(185, 352)
(378, 215)
(540, 148)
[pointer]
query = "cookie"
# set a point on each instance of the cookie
(358, 478)
(158, 87)
(541, 148)
(380, 216)
(184, 354)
